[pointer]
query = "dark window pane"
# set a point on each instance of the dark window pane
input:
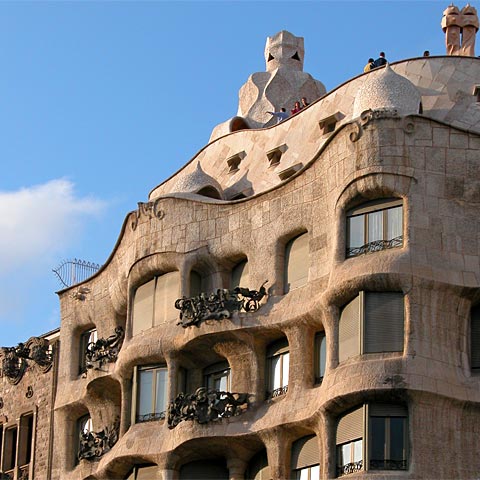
(397, 438)
(377, 446)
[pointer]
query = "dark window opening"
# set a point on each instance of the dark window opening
(210, 192)
(295, 56)
(270, 57)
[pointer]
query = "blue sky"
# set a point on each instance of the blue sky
(101, 101)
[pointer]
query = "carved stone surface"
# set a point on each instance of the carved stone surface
(14, 359)
(206, 406)
(218, 305)
(104, 350)
(93, 445)
(149, 209)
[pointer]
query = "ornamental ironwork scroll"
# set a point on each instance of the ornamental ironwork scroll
(375, 246)
(104, 350)
(14, 360)
(218, 305)
(93, 445)
(148, 209)
(349, 468)
(206, 406)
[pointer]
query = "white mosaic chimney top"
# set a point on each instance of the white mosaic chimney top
(284, 50)
(385, 89)
(196, 181)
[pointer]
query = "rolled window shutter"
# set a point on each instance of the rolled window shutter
(166, 292)
(305, 452)
(296, 262)
(349, 331)
(475, 337)
(387, 410)
(384, 322)
(350, 426)
(142, 318)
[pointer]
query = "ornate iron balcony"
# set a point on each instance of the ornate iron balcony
(375, 246)
(206, 406)
(385, 464)
(218, 305)
(150, 417)
(278, 392)
(349, 468)
(93, 445)
(104, 350)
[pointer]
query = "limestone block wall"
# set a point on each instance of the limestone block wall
(433, 168)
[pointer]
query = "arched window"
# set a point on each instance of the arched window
(383, 440)
(296, 263)
(240, 275)
(373, 322)
(154, 302)
(373, 226)
(306, 459)
(278, 358)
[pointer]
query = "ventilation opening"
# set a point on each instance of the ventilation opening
(476, 92)
(210, 192)
(420, 108)
(233, 162)
(270, 57)
(288, 172)
(328, 124)
(238, 123)
(295, 56)
(238, 196)
(275, 155)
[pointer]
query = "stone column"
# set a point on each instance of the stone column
(278, 444)
(170, 474)
(236, 468)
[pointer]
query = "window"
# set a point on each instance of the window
(475, 339)
(211, 469)
(374, 226)
(306, 459)
(387, 433)
(277, 368)
(296, 262)
(275, 155)
(240, 275)
(151, 393)
(388, 437)
(372, 322)
(154, 302)
(25, 441)
(197, 284)
(217, 377)
(145, 472)
(9, 449)
(88, 337)
(258, 468)
(320, 356)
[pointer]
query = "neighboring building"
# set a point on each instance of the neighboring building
(362, 356)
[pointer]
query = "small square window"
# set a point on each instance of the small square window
(274, 156)
(233, 162)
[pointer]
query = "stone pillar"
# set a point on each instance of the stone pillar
(170, 474)
(236, 468)
(452, 28)
(278, 445)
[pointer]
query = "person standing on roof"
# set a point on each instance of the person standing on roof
(380, 61)
(370, 65)
(281, 115)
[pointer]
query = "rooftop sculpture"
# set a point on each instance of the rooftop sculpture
(460, 27)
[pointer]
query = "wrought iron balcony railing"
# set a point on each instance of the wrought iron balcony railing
(375, 246)
(349, 468)
(278, 392)
(150, 417)
(385, 464)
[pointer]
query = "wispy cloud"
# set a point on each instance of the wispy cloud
(41, 221)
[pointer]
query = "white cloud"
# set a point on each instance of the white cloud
(41, 221)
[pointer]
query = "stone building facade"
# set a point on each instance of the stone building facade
(299, 301)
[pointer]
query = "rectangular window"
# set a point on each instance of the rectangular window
(374, 226)
(373, 322)
(320, 356)
(217, 377)
(10, 449)
(151, 394)
(278, 359)
(88, 337)
(25, 440)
